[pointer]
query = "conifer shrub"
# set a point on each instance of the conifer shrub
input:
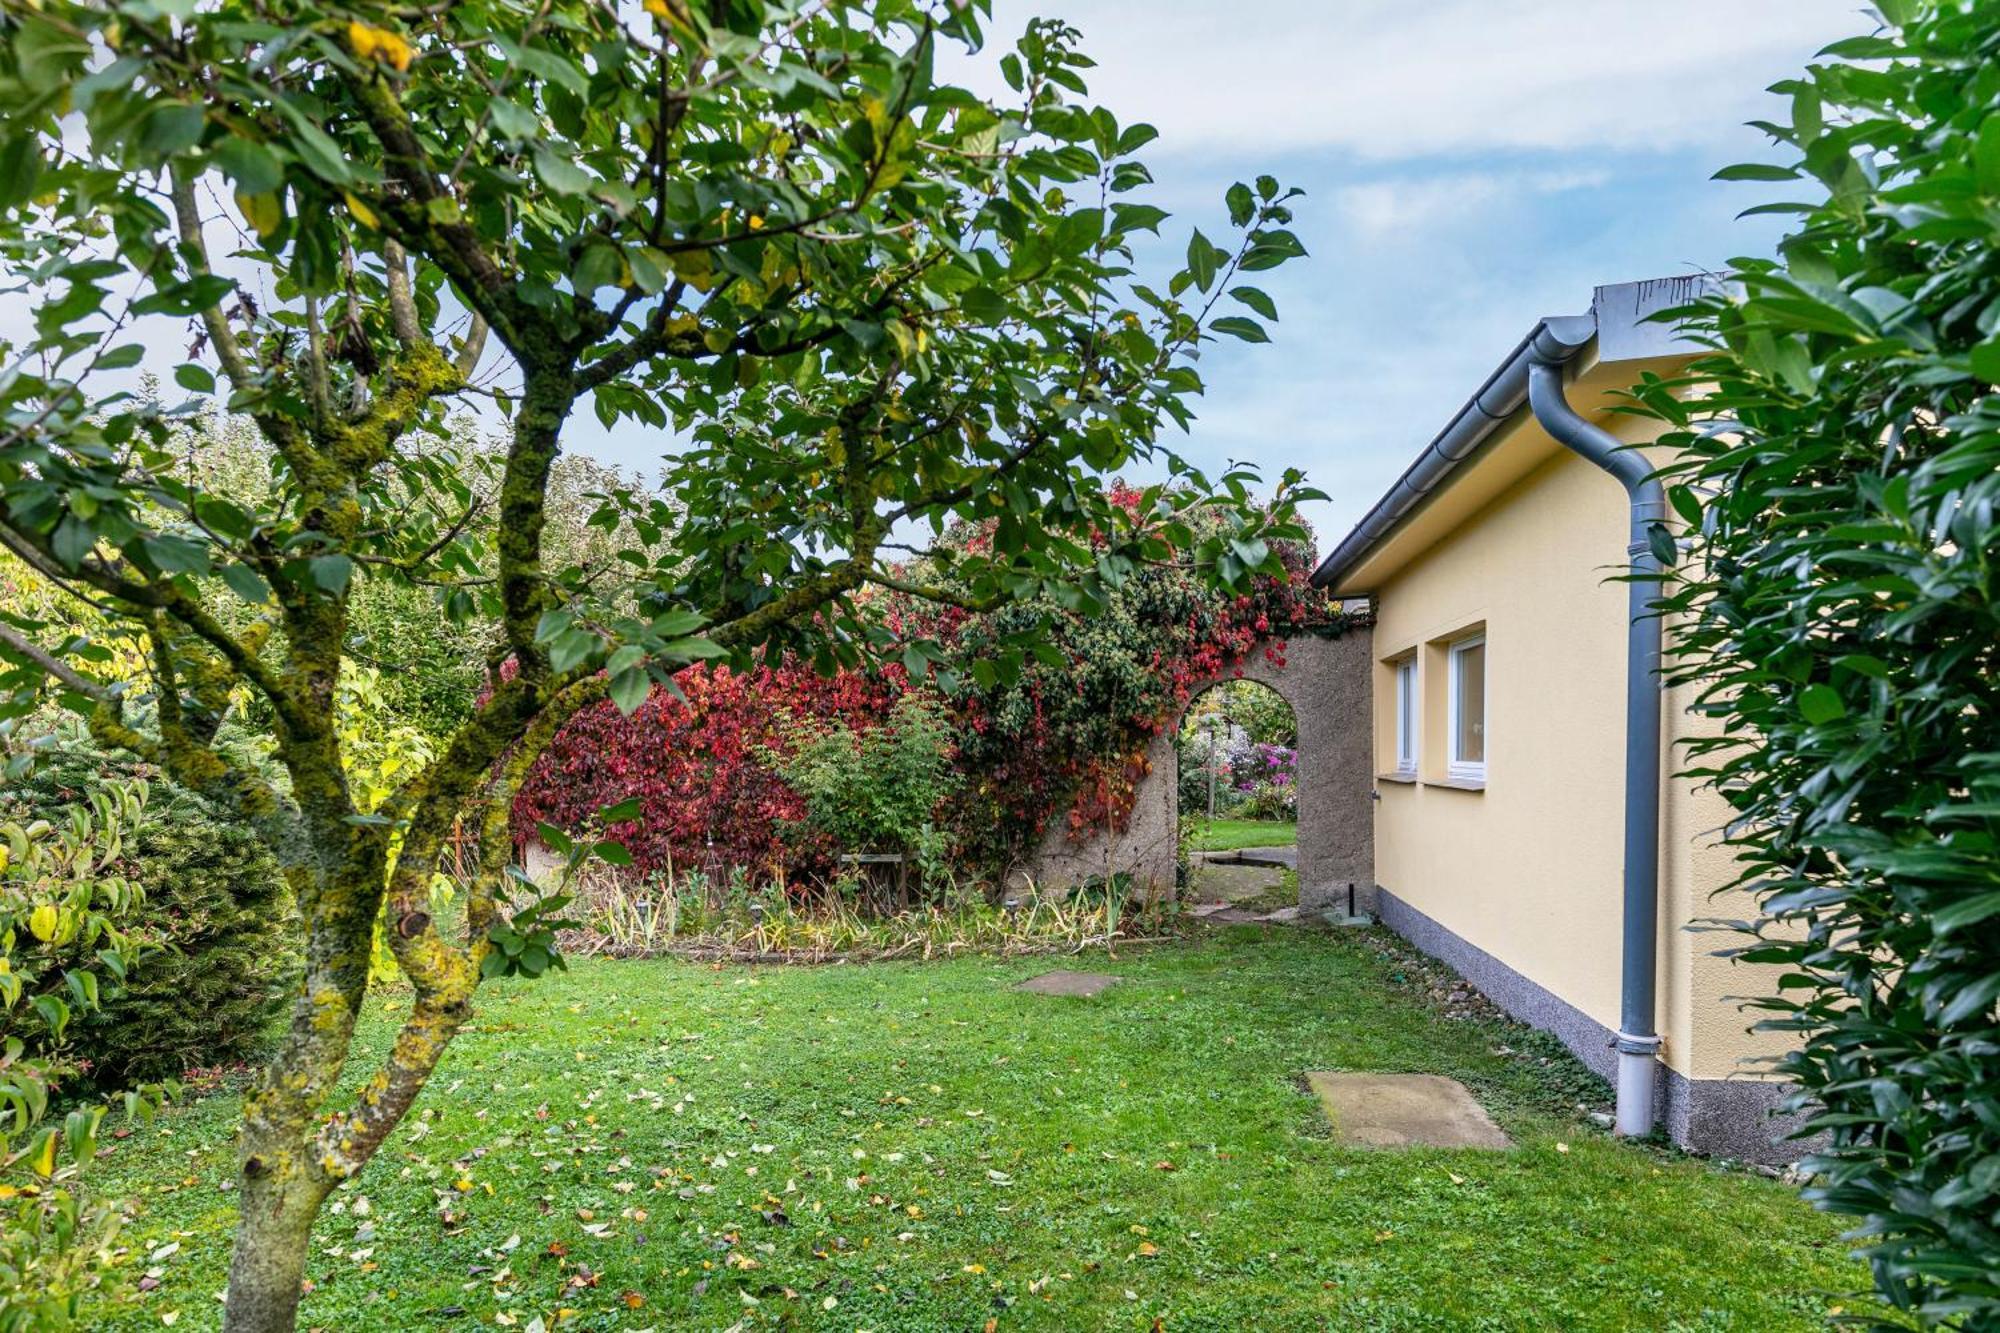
(215, 967)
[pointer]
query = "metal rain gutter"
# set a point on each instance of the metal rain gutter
(1638, 1041)
(1503, 394)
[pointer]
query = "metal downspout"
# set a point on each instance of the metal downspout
(1638, 1043)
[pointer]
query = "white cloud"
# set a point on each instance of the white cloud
(1381, 209)
(1384, 79)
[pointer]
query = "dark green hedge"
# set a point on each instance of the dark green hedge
(215, 903)
(1841, 613)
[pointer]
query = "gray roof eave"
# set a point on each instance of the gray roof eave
(1558, 338)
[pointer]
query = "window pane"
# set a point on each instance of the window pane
(1406, 702)
(1469, 671)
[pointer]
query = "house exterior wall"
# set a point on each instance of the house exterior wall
(1518, 883)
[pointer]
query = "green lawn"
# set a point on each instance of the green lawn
(913, 1146)
(1227, 835)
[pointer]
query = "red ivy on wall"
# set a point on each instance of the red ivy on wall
(708, 794)
(1061, 742)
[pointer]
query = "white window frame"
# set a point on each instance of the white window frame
(1457, 769)
(1405, 669)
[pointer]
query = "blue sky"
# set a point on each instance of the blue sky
(1469, 165)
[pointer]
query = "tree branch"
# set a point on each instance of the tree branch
(454, 246)
(52, 665)
(402, 305)
(472, 348)
(933, 592)
(220, 336)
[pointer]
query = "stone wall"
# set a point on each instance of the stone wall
(1328, 683)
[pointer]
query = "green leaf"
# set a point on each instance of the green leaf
(561, 174)
(1986, 156)
(1201, 261)
(1241, 206)
(172, 129)
(194, 378)
(1820, 704)
(176, 555)
(1661, 543)
(1966, 912)
(317, 152)
(254, 168)
(1136, 137)
(1686, 503)
(1256, 300)
(629, 689)
(185, 298)
(1137, 217)
(1249, 330)
(674, 624)
(246, 583)
(1985, 361)
(552, 622)
(624, 812)
(331, 572)
(20, 168)
(601, 266)
(1271, 249)
(1756, 171)
(73, 540)
(573, 648)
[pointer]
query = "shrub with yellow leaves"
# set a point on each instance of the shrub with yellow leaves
(60, 888)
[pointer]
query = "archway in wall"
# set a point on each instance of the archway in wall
(1236, 756)
(1328, 685)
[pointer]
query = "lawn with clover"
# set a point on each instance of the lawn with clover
(917, 1146)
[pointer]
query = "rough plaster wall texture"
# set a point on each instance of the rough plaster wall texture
(1720, 1045)
(1327, 683)
(1529, 868)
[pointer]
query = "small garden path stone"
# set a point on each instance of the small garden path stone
(1080, 984)
(1229, 882)
(1404, 1111)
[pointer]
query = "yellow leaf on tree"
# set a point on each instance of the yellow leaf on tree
(262, 211)
(378, 44)
(42, 923)
(366, 217)
(669, 12)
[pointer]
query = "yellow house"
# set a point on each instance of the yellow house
(1529, 829)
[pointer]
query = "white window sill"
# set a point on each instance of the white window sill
(1457, 784)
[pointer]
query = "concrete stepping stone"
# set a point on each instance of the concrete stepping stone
(1404, 1111)
(1232, 882)
(1081, 984)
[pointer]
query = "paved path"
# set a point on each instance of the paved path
(1288, 857)
(1218, 882)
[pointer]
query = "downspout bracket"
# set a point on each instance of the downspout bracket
(1626, 1043)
